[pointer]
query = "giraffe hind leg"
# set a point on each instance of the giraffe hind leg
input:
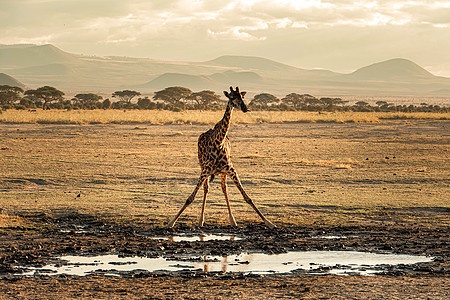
(224, 190)
(205, 192)
(188, 201)
(234, 176)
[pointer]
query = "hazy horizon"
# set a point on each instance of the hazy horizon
(340, 36)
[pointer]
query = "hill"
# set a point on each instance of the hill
(8, 80)
(20, 56)
(202, 82)
(251, 63)
(231, 77)
(392, 69)
(48, 65)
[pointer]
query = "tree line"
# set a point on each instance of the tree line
(181, 98)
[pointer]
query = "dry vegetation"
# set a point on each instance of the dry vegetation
(201, 117)
(393, 175)
(325, 173)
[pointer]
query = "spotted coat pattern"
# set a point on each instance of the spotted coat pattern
(214, 157)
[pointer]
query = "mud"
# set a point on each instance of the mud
(77, 234)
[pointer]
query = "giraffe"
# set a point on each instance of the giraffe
(214, 158)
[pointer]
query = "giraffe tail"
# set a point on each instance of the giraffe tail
(211, 178)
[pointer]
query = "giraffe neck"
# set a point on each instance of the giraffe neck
(221, 128)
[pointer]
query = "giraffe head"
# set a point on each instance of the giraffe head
(236, 99)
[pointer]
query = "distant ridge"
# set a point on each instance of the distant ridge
(397, 68)
(8, 80)
(48, 65)
(198, 82)
(28, 56)
(231, 77)
(251, 62)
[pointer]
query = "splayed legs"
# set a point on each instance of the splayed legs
(189, 200)
(232, 173)
(224, 190)
(205, 192)
(204, 180)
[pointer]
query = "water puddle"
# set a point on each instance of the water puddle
(321, 262)
(199, 238)
(77, 229)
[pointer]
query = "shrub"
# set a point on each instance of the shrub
(106, 104)
(144, 103)
(28, 103)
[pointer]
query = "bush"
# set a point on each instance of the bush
(106, 104)
(28, 103)
(117, 105)
(130, 105)
(145, 103)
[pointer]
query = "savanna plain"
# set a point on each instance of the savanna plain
(380, 182)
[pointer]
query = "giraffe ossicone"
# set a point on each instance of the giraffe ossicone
(214, 158)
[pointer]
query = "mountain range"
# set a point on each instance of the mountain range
(32, 66)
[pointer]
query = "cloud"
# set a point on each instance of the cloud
(238, 19)
(235, 33)
(338, 34)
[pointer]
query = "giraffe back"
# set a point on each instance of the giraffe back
(213, 155)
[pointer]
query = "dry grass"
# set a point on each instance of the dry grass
(414, 115)
(317, 173)
(11, 221)
(200, 117)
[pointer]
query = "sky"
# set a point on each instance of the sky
(340, 35)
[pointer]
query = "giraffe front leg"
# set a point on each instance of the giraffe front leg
(224, 190)
(188, 201)
(234, 176)
(205, 192)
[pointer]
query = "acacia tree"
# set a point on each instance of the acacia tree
(385, 106)
(125, 95)
(172, 95)
(263, 100)
(381, 103)
(362, 104)
(47, 94)
(331, 103)
(205, 99)
(9, 95)
(298, 101)
(88, 100)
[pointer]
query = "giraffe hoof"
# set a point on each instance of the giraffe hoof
(233, 222)
(269, 224)
(169, 225)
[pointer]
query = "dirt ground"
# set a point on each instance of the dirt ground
(384, 187)
(273, 287)
(420, 281)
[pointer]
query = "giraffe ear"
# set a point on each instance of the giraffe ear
(226, 94)
(243, 94)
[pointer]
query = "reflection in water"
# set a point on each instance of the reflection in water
(199, 238)
(336, 262)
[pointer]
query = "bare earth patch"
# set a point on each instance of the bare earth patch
(109, 189)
